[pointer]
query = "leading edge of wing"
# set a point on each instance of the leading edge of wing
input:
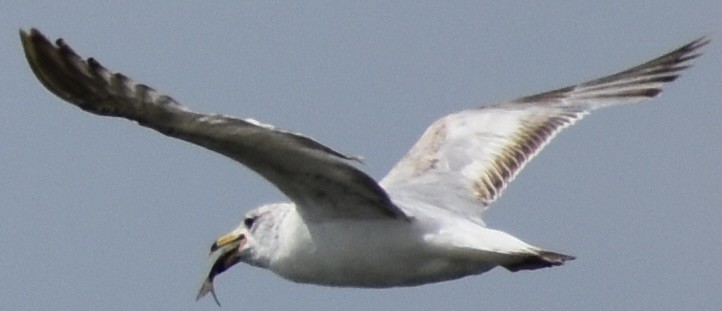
(314, 176)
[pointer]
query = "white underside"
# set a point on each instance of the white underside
(436, 245)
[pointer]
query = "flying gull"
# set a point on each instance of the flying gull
(420, 224)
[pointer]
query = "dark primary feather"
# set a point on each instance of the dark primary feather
(660, 70)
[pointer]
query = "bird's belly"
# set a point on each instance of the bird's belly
(371, 258)
(383, 274)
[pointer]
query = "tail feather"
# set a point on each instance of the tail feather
(542, 259)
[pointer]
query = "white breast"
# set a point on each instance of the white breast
(373, 253)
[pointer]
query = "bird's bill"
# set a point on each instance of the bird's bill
(227, 239)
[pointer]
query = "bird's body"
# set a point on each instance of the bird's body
(419, 224)
(387, 252)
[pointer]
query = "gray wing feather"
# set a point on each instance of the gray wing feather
(465, 160)
(321, 181)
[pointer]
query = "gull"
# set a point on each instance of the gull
(419, 224)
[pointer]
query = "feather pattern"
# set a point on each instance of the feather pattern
(321, 181)
(468, 158)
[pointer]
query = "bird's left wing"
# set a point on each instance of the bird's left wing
(321, 181)
(465, 160)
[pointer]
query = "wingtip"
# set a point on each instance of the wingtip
(696, 46)
(692, 50)
(30, 33)
(25, 35)
(32, 40)
(703, 40)
(24, 32)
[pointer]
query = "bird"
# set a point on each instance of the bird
(421, 223)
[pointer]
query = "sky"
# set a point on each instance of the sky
(101, 214)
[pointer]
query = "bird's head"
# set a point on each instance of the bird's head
(250, 242)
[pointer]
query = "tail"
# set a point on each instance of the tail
(542, 259)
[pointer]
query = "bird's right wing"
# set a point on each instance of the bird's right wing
(322, 182)
(465, 160)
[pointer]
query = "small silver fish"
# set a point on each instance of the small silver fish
(228, 258)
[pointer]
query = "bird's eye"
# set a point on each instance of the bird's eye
(248, 222)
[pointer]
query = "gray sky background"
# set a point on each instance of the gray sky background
(100, 213)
